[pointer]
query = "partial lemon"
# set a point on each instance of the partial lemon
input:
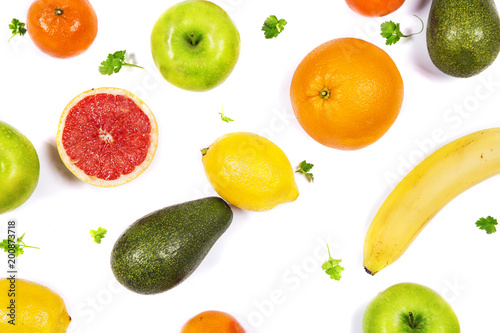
(249, 171)
(33, 308)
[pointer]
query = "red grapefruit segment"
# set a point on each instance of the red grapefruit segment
(107, 136)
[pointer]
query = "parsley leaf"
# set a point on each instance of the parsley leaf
(17, 245)
(225, 118)
(98, 234)
(114, 63)
(304, 169)
(273, 27)
(332, 267)
(392, 32)
(488, 224)
(17, 27)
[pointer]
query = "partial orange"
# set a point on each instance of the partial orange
(212, 322)
(107, 136)
(346, 93)
(374, 8)
(62, 28)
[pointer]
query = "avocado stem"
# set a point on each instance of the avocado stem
(59, 11)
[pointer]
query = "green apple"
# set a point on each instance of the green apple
(19, 168)
(195, 45)
(409, 307)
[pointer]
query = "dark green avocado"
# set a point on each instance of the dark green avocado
(463, 36)
(161, 249)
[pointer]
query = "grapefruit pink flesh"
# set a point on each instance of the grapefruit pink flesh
(106, 135)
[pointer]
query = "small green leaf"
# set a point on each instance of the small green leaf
(114, 62)
(272, 27)
(98, 234)
(392, 31)
(18, 245)
(487, 224)
(304, 169)
(17, 27)
(332, 267)
(225, 118)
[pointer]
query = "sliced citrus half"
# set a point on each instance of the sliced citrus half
(107, 136)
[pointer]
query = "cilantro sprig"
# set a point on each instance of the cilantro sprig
(98, 234)
(487, 224)
(273, 27)
(224, 117)
(332, 266)
(392, 32)
(17, 245)
(17, 27)
(304, 169)
(114, 62)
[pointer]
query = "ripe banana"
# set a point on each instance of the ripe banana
(433, 183)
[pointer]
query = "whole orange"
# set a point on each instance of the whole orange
(62, 28)
(374, 7)
(346, 93)
(212, 322)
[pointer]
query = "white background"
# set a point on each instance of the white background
(265, 270)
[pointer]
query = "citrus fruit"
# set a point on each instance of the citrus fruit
(346, 93)
(107, 136)
(212, 322)
(33, 307)
(62, 28)
(249, 171)
(374, 8)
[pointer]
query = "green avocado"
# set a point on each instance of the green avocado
(463, 36)
(161, 249)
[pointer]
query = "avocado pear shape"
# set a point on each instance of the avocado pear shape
(161, 249)
(463, 36)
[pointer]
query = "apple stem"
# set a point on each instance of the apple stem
(194, 40)
(412, 321)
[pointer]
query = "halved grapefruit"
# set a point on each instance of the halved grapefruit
(107, 136)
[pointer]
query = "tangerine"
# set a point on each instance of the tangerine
(62, 28)
(107, 136)
(346, 93)
(212, 322)
(374, 8)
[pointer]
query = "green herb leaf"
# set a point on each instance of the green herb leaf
(392, 32)
(98, 234)
(17, 27)
(273, 27)
(304, 169)
(488, 224)
(332, 267)
(19, 245)
(225, 118)
(114, 63)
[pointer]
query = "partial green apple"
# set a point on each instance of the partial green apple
(19, 168)
(195, 45)
(409, 307)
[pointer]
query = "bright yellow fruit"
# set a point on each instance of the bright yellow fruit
(430, 186)
(249, 171)
(37, 308)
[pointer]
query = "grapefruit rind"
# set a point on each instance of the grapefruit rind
(123, 179)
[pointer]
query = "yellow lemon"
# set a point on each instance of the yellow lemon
(249, 171)
(32, 307)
